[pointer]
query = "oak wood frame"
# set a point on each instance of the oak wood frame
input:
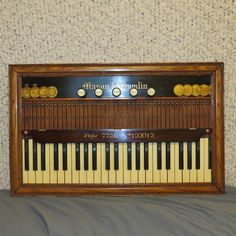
(16, 72)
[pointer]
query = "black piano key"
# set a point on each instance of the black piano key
(43, 167)
(159, 162)
(189, 157)
(77, 156)
(107, 165)
(94, 155)
(198, 155)
(210, 155)
(64, 147)
(55, 156)
(116, 156)
(129, 162)
(145, 156)
(35, 164)
(181, 156)
(137, 156)
(168, 155)
(26, 154)
(86, 156)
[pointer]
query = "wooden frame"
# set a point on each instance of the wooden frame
(16, 72)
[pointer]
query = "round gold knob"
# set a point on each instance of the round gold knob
(25, 92)
(43, 92)
(187, 90)
(179, 90)
(52, 91)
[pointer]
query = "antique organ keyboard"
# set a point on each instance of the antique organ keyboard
(117, 129)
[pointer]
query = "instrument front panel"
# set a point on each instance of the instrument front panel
(57, 152)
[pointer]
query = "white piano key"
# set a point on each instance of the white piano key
(141, 172)
(90, 164)
(98, 172)
(127, 172)
(61, 173)
(120, 171)
(53, 173)
(207, 171)
(31, 171)
(39, 172)
(68, 172)
(112, 173)
(148, 173)
(134, 172)
(25, 173)
(200, 172)
(171, 171)
(163, 163)
(178, 171)
(83, 175)
(46, 172)
(75, 173)
(156, 172)
(185, 158)
(103, 157)
(193, 171)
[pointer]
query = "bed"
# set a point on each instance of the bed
(123, 215)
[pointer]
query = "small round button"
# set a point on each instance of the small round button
(98, 92)
(116, 92)
(133, 92)
(81, 92)
(151, 92)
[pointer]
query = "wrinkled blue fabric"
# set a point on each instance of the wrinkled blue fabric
(124, 215)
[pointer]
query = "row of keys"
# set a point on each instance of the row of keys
(116, 92)
(116, 162)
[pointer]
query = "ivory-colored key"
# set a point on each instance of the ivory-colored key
(31, 171)
(98, 172)
(185, 158)
(207, 171)
(178, 171)
(60, 173)
(126, 171)
(193, 171)
(148, 173)
(46, 172)
(75, 173)
(200, 172)
(171, 171)
(120, 171)
(68, 172)
(155, 171)
(83, 175)
(134, 172)
(53, 173)
(90, 164)
(103, 157)
(39, 172)
(112, 173)
(163, 163)
(141, 172)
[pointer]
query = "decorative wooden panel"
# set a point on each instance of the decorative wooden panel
(168, 138)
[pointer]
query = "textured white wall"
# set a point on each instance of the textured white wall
(78, 31)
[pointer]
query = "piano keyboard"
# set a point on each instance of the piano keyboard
(116, 163)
